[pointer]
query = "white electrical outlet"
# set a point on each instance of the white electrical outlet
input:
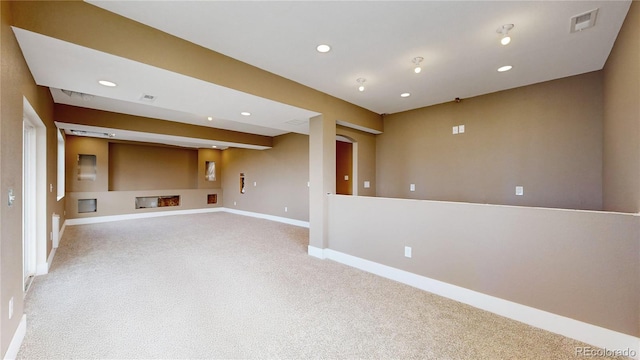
(407, 251)
(519, 190)
(308, 184)
(346, 177)
(412, 187)
(367, 184)
(455, 130)
(234, 203)
(460, 129)
(286, 209)
(255, 183)
(11, 308)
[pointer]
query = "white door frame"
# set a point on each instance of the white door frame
(29, 225)
(38, 184)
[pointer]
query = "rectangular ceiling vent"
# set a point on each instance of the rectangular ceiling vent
(148, 98)
(584, 21)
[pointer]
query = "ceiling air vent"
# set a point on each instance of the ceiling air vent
(148, 98)
(583, 21)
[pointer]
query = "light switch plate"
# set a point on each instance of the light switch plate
(455, 130)
(346, 177)
(461, 129)
(519, 190)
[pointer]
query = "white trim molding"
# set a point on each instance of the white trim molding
(109, 218)
(316, 252)
(269, 217)
(16, 341)
(578, 330)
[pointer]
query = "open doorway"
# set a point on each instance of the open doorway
(346, 166)
(34, 193)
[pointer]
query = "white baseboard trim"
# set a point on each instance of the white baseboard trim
(61, 232)
(316, 252)
(43, 269)
(578, 330)
(109, 218)
(269, 217)
(16, 341)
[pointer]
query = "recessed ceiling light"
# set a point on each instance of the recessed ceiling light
(405, 94)
(416, 61)
(107, 83)
(505, 68)
(215, 147)
(323, 48)
(245, 113)
(209, 118)
(504, 31)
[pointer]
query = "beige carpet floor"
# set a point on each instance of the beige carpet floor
(220, 285)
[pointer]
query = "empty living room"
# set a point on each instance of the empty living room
(320, 179)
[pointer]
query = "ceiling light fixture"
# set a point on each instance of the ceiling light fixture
(417, 61)
(107, 83)
(504, 30)
(245, 113)
(323, 48)
(210, 118)
(361, 83)
(405, 94)
(505, 68)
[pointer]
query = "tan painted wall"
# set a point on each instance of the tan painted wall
(16, 83)
(111, 203)
(280, 175)
(149, 167)
(126, 170)
(579, 264)
(545, 137)
(621, 180)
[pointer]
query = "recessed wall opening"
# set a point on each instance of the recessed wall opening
(87, 205)
(145, 202)
(210, 170)
(87, 167)
(346, 166)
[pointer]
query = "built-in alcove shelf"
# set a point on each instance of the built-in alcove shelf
(84, 204)
(145, 202)
(87, 205)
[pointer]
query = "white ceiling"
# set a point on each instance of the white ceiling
(375, 40)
